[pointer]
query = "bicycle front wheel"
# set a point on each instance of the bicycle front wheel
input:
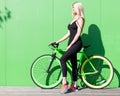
(46, 71)
(97, 72)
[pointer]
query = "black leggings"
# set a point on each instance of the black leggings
(71, 54)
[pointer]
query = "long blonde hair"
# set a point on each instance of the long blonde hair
(79, 8)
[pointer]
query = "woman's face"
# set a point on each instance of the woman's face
(74, 9)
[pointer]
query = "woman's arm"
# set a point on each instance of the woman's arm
(64, 37)
(79, 23)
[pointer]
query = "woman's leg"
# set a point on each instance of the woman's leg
(74, 69)
(63, 60)
(70, 53)
(77, 47)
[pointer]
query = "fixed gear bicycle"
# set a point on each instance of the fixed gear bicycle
(96, 71)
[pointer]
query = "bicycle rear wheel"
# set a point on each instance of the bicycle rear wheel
(46, 71)
(97, 72)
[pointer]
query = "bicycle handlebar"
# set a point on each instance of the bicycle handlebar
(54, 45)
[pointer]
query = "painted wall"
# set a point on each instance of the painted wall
(27, 27)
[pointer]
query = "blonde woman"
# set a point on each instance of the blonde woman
(74, 45)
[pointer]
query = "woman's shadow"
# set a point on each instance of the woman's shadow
(93, 39)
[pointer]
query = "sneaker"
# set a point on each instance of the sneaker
(64, 88)
(73, 89)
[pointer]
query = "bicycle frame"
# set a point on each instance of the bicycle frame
(59, 52)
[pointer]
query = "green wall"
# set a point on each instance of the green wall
(27, 27)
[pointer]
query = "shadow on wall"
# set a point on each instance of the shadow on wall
(4, 15)
(116, 72)
(93, 38)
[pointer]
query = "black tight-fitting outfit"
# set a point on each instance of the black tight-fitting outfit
(71, 53)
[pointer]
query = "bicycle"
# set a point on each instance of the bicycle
(95, 71)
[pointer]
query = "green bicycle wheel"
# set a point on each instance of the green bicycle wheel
(97, 72)
(45, 75)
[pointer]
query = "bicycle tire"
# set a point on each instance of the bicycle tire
(103, 75)
(39, 73)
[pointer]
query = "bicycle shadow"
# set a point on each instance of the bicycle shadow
(116, 72)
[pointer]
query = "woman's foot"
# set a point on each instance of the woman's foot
(73, 88)
(64, 88)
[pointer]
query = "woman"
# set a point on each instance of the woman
(74, 45)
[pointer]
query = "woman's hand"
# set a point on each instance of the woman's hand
(53, 43)
(68, 47)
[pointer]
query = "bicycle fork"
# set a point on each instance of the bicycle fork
(51, 62)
